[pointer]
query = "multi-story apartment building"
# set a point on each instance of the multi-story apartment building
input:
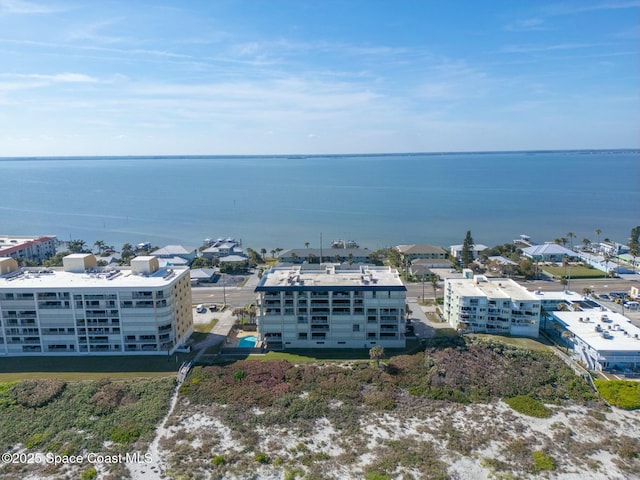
(36, 249)
(486, 305)
(326, 306)
(84, 309)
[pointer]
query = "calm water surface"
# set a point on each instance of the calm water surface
(286, 201)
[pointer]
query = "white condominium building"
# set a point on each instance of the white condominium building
(327, 306)
(84, 309)
(498, 306)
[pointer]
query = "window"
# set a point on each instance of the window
(356, 327)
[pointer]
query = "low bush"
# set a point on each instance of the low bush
(542, 461)
(261, 457)
(528, 406)
(620, 393)
(36, 393)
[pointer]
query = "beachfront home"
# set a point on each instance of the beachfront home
(336, 255)
(169, 252)
(222, 248)
(414, 252)
(456, 250)
(328, 306)
(35, 249)
(431, 256)
(83, 309)
(549, 252)
(500, 306)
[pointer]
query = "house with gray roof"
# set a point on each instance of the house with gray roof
(414, 252)
(549, 252)
(171, 251)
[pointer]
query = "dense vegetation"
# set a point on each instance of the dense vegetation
(73, 418)
(459, 370)
(450, 374)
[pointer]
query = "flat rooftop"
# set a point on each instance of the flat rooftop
(491, 288)
(621, 334)
(328, 277)
(55, 280)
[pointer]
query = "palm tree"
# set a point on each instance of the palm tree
(586, 242)
(306, 244)
(76, 246)
(407, 311)
(598, 232)
(567, 336)
(571, 236)
(434, 284)
(127, 253)
(294, 257)
(263, 252)
(376, 353)
(100, 245)
(273, 253)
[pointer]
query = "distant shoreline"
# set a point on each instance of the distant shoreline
(298, 156)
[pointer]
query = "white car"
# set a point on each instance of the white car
(201, 309)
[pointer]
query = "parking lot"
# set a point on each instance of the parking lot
(609, 302)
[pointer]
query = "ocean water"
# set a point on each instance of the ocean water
(376, 200)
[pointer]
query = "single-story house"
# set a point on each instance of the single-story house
(171, 251)
(549, 252)
(203, 275)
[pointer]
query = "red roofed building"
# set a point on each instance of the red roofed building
(36, 249)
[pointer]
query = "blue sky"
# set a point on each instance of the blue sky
(283, 77)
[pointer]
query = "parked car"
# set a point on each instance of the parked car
(201, 309)
(632, 305)
(212, 308)
(604, 296)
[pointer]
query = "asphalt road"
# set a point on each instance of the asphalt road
(239, 296)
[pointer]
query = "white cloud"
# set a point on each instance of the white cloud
(546, 48)
(23, 7)
(527, 25)
(64, 77)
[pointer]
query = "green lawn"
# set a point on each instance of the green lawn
(205, 327)
(574, 272)
(522, 342)
(89, 368)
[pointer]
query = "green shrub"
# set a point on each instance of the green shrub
(89, 474)
(528, 406)
(542, 461)
(218, 460)
(620, 393)
(376, 476)
(261, 457)
(126, 433)
(293, 474)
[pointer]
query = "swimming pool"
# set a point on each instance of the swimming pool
(248, 341)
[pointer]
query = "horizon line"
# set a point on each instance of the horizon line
(316, 155)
